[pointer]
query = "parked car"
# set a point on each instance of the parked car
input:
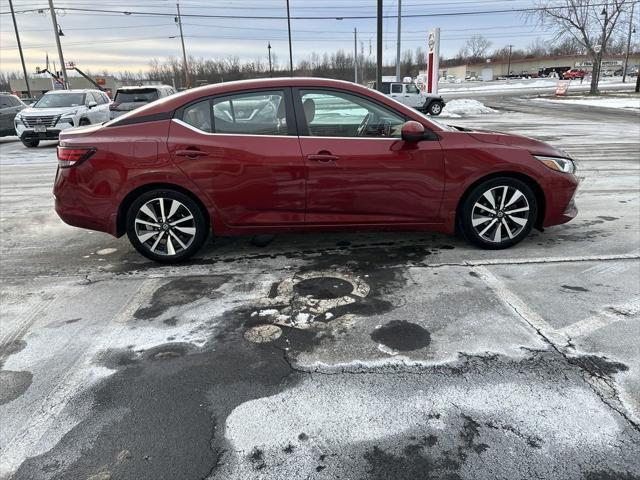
(574, 73)
(632, 71)
(302, 154)
(410, 95)
(60, 110)
(10, 105)
(130, 98)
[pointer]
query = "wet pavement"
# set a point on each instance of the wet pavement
(356, 356)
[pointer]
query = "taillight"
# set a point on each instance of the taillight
(72, 156)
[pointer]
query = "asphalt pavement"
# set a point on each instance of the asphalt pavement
(388, 355)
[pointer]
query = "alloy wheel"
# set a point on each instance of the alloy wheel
(165, 226)
(500, 213)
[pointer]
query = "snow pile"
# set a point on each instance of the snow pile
(462, 107)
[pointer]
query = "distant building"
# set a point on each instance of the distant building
(43, 83)
(535, 66)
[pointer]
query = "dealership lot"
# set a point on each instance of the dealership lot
(377, 355)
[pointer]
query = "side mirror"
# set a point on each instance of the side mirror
(92, 104)
(412, 131)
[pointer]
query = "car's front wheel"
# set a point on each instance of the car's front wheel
(166, 226)
(30, 143)
(498, 213)
(435, 108)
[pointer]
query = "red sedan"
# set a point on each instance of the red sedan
(302, 154)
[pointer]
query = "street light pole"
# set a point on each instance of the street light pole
(355, 55)
(56, 31)
(626, 59)
(290, 49)
(379, 47)
(398, 41)
(270, 65)
(509, 62)
(24, 68)
(184, 52)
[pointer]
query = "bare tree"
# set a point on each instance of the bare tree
(590, 22)
(476, 47)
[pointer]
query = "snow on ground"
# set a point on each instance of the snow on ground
(631, 102)
(520, 84)
(462, 107)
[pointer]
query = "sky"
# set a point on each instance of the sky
(116, 41)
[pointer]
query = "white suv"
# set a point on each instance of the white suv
(411, 96)
(59, 110)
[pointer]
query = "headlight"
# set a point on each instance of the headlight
(18, 119)
(565, 165)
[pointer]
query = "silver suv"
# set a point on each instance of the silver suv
(59, 110)
(130, 98)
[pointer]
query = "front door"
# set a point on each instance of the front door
(359, 170)
(242, 151)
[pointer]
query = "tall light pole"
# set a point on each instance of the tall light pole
(24, 68)
(379, 47)
(56, 32)
(398, 41)
(270, 65)
(626, 58)
(355, 55)
(509, 62)
(184, 51)
(290, 49)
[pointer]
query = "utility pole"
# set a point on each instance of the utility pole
(270, 65)
(509, 62)
(24, 68)
(626, 59)
(290, 49)
(184, 52)
(379, 47)
(398, 79)
(355, 55)
(56, 32)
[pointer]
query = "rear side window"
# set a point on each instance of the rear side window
(198, 115)
(396, 88)
(256, 113)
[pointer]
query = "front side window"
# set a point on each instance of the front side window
(260, 113)
(341, 114)
(5, 101)
(412, 88)
(55, 100)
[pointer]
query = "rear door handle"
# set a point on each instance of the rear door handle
(191, 153)
(323, 158)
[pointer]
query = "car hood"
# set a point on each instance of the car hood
(36, 112)
(532, 145)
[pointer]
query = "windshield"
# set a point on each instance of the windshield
(130, 96)
(52, 100)
(411, 88)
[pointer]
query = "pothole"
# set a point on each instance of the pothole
(324, 288)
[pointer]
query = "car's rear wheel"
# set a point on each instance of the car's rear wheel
(435, 108)
(166, 226)
(30, 143)
(498, 213)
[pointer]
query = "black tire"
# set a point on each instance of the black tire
(492, 226)
(175, 232)
(435, 108)
(30, 143)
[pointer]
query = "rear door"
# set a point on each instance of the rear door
(359, 171)
(242, 150)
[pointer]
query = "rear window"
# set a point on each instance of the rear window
(145, 95)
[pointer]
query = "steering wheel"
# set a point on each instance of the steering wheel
(365, 123)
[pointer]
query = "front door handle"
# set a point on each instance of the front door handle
(191, 153)
(323, 158)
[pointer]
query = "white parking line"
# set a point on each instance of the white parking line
(606, 317)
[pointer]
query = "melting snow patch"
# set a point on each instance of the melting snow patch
(268, 312)
(107, 251)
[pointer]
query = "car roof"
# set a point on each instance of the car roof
(176, 101)
(77, 90)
